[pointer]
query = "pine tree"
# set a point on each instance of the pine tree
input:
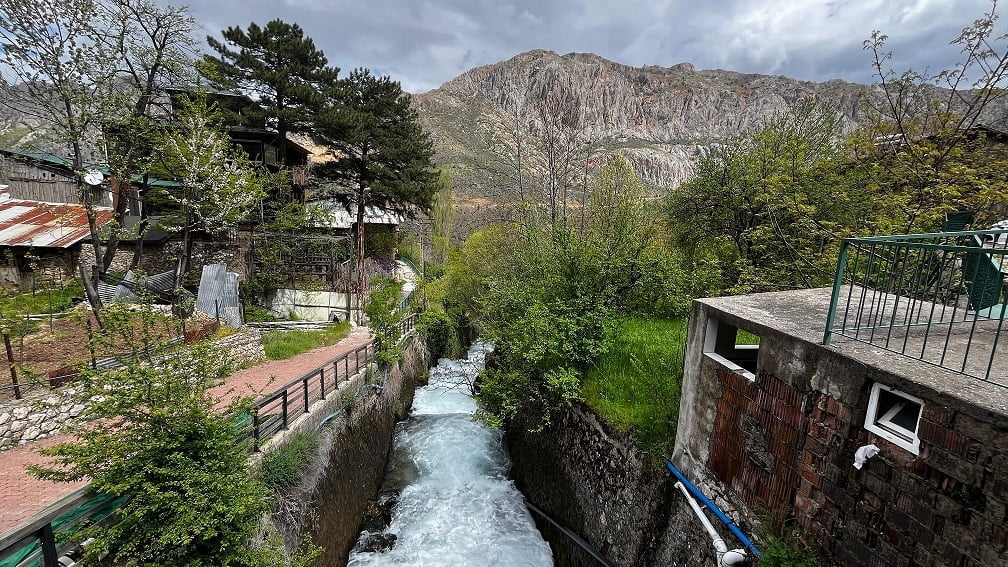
(279, 68)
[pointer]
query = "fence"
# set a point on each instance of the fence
(38, 539)
(275, 412)
(939, 298)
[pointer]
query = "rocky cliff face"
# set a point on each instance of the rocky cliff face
(662, 118)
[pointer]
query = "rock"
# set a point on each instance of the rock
(75, 410)
(31, 434)
(21, 412)
(377, 543)
(4, 418)
(36, 418)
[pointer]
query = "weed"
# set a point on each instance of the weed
(283, 467)
(281, 345)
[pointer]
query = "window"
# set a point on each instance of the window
(894, 416)
(736, 349)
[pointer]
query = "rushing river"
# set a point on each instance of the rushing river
(456, 506)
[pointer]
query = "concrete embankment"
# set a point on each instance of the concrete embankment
(330, 502)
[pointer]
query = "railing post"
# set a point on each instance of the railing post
(285, 409)
(255, 430)
(835, 297)
(322, 382)
(48, 541)
(305, 394)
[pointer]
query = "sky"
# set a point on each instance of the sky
(424, 43)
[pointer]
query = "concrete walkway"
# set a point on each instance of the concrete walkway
(22, 495)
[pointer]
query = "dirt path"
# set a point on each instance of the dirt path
(22, 495)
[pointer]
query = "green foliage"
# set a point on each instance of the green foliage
(281, 345)
(192, 500)
(44, 300)
(442, 333)
(546, 287)
(284, 466)
(279, 68)
(384, 318)
(442, 215)
(780, 554)
(772, 206)
(920, 149)
(635, 384)
(379, 147)
(254, 313)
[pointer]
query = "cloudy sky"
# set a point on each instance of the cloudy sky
(423, 43)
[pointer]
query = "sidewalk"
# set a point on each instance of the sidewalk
(22, 495)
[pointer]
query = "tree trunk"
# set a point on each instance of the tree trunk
(360, 251)
(91, 291)
(183, 261)
(139, 246)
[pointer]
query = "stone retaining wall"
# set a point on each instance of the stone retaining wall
(594, 481)
(24, 421)
(41, 416)
(331, 500)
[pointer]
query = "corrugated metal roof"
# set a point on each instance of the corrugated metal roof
(339, 216)
(48, 225)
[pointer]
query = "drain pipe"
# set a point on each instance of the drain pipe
(712, 507)
(725, 558)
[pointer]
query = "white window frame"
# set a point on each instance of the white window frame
(884, 427)
(710, 346)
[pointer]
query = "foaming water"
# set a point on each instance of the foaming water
(456, 506)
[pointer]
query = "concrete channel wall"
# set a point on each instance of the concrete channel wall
(329, 503)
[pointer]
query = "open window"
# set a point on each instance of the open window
(894, 416)
(732, 347)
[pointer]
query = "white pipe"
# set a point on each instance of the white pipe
(719, 544)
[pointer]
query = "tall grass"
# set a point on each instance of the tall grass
(281, 345)
(635, 386)
(284, 466)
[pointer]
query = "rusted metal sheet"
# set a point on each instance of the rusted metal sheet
(45, 225)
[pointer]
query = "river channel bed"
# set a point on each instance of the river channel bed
(447, 486)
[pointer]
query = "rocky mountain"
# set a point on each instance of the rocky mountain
(661, 118)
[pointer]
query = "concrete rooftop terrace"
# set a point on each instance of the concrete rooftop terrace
(801, 314)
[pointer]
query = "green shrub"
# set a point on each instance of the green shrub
(281, 345)
(284, 466)
(256, 314)
(780, 554)
(635, 384)
(441, 333)
(383, 318)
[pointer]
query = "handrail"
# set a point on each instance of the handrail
(40, 527)
(581, 542)
(907, 293)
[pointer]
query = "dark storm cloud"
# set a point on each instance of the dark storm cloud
(423, 43)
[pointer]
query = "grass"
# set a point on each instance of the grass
(284, 466)
(281, 345)
(50, 300)
(635, 386)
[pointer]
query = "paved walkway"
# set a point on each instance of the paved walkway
(22, 495)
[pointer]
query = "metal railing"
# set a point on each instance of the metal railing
(270, 415)
(276, 411)
(939, 298)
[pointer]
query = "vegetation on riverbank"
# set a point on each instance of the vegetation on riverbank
(281, 345)
(635, 384)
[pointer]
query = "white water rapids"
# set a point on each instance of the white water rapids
(456, 506)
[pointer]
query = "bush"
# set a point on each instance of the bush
(442, 333)
(284, 466)
(635, 384)
(780, 554)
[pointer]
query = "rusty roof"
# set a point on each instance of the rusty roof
(45, 225)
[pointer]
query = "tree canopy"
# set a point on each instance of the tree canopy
(279, 68)
(377, 144)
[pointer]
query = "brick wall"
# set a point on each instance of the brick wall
(785, 442)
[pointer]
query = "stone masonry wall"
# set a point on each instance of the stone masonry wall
(24, 421)
(595, 482)
(41, 416)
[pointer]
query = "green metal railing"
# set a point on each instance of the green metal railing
(940, 298)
